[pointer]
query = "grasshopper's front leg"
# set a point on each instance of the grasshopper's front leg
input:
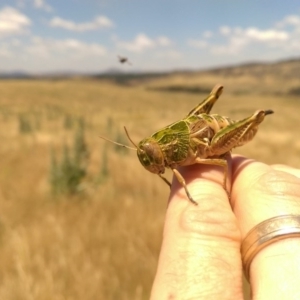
(182, 182)
(165, 180)
(208, 161)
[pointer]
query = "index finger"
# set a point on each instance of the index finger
(200, 255)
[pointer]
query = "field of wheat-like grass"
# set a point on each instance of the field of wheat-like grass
(100, 238)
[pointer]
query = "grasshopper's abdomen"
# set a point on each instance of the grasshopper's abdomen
(206, 126)
(202, 129)
(218, 122)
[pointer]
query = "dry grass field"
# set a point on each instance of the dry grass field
(103, 241)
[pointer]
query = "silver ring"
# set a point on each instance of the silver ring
(266, 233)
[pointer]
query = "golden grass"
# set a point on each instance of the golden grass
(103, 243)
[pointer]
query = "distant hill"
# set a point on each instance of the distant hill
(280, 77)
(285, 69)
(14, 74)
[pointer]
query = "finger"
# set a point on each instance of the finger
(200, 255)
(287, 169)
(261, 192)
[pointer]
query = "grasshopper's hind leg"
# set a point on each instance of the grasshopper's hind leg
(236, 134)
(206, 105)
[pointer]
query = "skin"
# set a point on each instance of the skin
(200, 255)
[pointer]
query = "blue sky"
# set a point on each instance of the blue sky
(40, 36)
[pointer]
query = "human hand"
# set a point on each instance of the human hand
(200, 256)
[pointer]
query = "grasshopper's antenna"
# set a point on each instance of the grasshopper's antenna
(130, 138)
(106, 139)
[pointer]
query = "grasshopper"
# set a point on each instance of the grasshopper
(199, 137)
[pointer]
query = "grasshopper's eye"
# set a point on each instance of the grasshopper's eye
(148, 149)
(150, 156)
(143, 157)
(145, 160)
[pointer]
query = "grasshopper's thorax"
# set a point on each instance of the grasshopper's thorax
(151, 156)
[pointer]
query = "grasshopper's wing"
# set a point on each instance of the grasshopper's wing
(174, 141)
(177, 132)
(206, 105)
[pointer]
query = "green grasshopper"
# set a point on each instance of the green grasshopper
(200, 137)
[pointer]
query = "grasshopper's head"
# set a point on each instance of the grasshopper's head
(151, 156)
(148, 152)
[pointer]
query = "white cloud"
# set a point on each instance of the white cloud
(10, 48)
(139, 44)
(239, 39)
(207, 34)
(4, 53)
(98, 23)
(234, 40)
(265, 35)
(168, 54)
(71, 47)
(142, 43)
(4, 50)
(163, 41)
(20, 3)
(289, 20)
(200, 44)
(12, 22)
(40, 54)
(41, 4)
(225, 30)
